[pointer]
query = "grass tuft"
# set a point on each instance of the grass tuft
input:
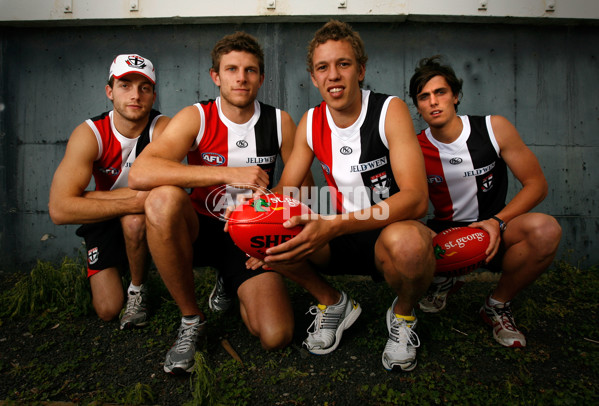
(49, 288)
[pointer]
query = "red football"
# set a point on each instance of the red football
(257, 224)
(460, 250)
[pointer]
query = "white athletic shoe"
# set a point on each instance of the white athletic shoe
(400, 351)
(324, 334)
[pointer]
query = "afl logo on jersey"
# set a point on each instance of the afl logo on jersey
(455, 161)
(213, 159)
(434, 179)
(345, 150)
(242, 144)
(109, 171)
(325, 168)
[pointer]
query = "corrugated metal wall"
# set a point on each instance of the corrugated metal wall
(541, 77)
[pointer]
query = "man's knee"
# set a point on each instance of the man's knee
(274, 337)
(106, 310)
(134, 227)
(545, 235)
(409, 248)
(163, 203)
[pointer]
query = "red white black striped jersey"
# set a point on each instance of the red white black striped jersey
(355, 160)
(221, 142)
(467, 179)
(116, 152)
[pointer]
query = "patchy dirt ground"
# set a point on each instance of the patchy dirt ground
(86, 360)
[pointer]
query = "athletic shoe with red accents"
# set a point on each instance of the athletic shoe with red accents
(501, 319)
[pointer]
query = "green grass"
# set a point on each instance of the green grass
(458, 362)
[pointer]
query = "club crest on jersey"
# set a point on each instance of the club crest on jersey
(380, 183)
(242, 144)
(487, 183)
(213, 159)
(136, 61)
(110, 171)
(455, 161)
(92, 256)
(434, 179)
(345, 150)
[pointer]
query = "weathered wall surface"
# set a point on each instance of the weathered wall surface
(541, 77)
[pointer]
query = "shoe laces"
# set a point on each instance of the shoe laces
(323, 319)
(187, 337)
(134, 300)
(402, 333)
(504, 316)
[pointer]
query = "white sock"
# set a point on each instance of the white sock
(134, 289)
(191, 319)
(493, 302)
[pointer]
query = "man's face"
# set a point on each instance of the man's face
(239, 78)
(132, 96)
(337, 74)
(436, 102)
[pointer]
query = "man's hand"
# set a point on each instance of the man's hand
(318, 231)
(492, 228)
(249, 177)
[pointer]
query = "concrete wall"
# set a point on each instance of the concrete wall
(541, 77)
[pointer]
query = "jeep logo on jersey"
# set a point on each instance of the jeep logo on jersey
(434, 179)
(109, 171)
(487, 183)
(213, 159)
(260, 160)
(455, 161)
(480, 171)
(345, 150)
(367, 166)
(136, 61)
(242, 144)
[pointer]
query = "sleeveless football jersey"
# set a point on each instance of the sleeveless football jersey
(221, 142)
(355, 160)
(116, 152)
(467, 179)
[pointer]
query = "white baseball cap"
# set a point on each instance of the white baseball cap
(132, 63)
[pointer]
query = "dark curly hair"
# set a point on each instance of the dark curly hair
(427, 69)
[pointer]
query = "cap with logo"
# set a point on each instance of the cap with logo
(132, 63)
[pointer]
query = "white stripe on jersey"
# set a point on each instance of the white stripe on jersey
(346, 148)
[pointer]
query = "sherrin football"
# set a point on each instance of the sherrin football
(460, 250)
(257, 224)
